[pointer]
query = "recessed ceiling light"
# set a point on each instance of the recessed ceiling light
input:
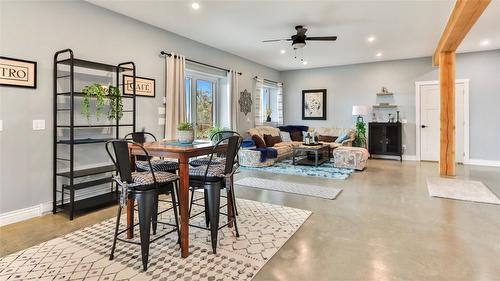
(195, 5)
(485, 43)
(371, 39)
(282, 51)
(379, 54)
(304, 62)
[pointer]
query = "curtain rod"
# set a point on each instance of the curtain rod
(267, 80)
(163, 53)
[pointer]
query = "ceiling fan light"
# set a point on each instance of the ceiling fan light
(298, 45)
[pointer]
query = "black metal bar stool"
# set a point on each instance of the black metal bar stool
(213, 178)
(219, 159)
(144, 187)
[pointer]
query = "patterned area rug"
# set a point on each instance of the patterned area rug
(291, 187)
(465, 190)
(326, 170)
(84, 254)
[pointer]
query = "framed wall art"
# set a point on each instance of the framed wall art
(144, 87)
(17, 73)
(314, 104)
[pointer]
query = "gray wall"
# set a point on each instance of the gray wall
(357, 84)
(34, 31)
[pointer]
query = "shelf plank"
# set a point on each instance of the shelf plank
(84, 141)
(385, 106)
(93, 65)
(87, 184)
(92, 203)
(80, 94)
(89, 171)
(95, 126)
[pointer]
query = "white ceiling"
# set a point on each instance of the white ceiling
(403, 29)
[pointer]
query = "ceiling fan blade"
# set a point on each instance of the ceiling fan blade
(276, 40)
(322, 38)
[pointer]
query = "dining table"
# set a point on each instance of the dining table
(182, 152)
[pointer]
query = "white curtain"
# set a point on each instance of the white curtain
(259, 117)
(175, 111)
(279, 101)
(234, 94)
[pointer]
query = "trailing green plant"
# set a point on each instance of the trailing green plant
(115, 103)
(100, 93)
(360, 140)
(96, 91)
(184, 126)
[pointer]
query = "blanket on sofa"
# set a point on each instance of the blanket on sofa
(266, 153)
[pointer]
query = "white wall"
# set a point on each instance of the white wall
(35, 31)
(357, 85)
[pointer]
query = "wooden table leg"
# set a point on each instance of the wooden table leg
(229, 199)
(130, 218)
(184, 204)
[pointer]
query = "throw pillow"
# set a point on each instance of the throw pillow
(259, 142)
(342, 138)
(327, 138)
(285, 136)
(271, 140)
(296, 136)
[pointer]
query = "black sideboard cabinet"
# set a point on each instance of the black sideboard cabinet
(385, 139)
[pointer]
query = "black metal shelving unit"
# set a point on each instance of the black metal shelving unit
(87, 176)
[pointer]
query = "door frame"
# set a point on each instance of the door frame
(418, 85)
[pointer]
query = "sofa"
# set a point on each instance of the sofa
(251, 158)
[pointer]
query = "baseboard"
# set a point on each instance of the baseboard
(389, 157)
(21, 214)
(480, 162)
(41, 209)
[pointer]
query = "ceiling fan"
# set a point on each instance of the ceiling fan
(299, 39)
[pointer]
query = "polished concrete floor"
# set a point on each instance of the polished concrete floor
(383, 226)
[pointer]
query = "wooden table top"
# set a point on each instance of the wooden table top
(169, 146)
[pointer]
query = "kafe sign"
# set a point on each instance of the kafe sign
(144, 87)
(17, 73)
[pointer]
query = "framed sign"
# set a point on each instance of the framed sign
(17, 73)
(144, 87)
(314, 104)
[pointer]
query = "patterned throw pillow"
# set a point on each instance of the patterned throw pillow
(327, 138)
(259, 142)
(271, 140)
(285, 136)
(296, 136)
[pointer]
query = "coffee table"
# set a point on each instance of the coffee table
(315, 154)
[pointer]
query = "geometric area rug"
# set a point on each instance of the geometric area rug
(291, 187)
(84, 254)
(465, 190)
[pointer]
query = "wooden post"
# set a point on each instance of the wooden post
(447, 118)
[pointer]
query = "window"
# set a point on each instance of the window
(269, 104)
(204, 101)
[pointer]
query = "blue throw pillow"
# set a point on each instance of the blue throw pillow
(342, 138)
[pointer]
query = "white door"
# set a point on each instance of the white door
(429, 122)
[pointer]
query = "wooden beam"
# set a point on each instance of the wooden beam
(462, 18)
(447, 113)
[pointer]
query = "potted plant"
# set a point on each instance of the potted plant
(360, 140)
(101, 93)
(185, 133)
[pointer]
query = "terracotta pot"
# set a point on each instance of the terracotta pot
(185, 136)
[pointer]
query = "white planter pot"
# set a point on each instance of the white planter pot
(185, 136)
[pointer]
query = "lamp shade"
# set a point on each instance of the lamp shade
(359, 110)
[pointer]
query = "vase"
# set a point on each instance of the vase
(268, 119)
(185, 137)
